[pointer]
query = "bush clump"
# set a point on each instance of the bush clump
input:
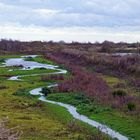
(42, 68)
(131, 106)
(29, 59)
(119, 93)
(46, 91)
(2, 60)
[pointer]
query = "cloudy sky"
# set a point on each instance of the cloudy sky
(70, 20)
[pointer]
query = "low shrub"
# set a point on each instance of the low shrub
(89, 82)
(42, 68)
(53, 77)
(131, 106)
(29, 59)
(46, 91)
(2, 60)
(119, 93)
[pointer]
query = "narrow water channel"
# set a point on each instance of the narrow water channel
(71, 109)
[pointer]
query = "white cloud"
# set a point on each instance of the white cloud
(82, 19)
(46, 11)
(68, 34)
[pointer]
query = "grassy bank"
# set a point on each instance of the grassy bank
(125, 124)
(40, 59)
(36, 119)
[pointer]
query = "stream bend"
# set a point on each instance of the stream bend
(71, 109)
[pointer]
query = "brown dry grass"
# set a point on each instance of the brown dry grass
(9, 133)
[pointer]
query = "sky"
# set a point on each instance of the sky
(70, 20)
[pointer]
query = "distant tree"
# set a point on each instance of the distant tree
(107, 46)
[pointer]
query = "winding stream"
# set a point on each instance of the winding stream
(29, 65)
(71, 109)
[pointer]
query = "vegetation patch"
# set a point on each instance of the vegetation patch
(2, 87)
(40, 59)
(2, 60)
(119, 93)
(47, 121)
(84, 104)
(46, 91)
(112, 118)
(38, 120)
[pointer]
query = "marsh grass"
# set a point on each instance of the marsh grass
(123, 123)
(38, 120)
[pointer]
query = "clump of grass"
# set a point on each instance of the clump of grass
(3, 87)
(29, 59)
(25, 118)
(42, 68)
(73, 126)
(21, 92)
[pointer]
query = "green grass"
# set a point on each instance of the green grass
(40, 59)
(37, 119)
(84, 104)
(15, 72)
(111, 80)
(125, 124)
(33, 71)
(10, 56)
